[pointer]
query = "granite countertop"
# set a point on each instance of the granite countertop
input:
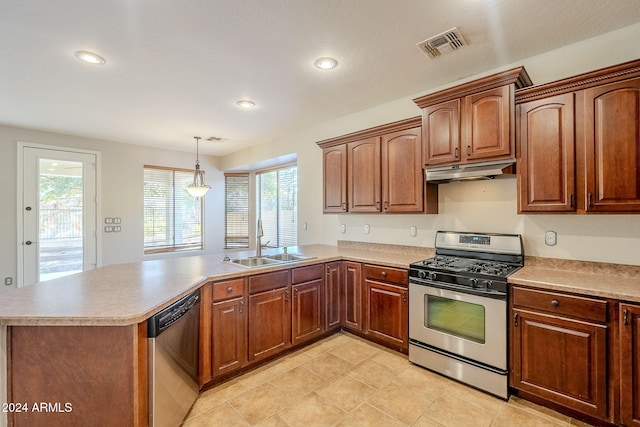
(126, 294)
(616, 281)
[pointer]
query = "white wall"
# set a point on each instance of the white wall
(470, 206)
(121, 192)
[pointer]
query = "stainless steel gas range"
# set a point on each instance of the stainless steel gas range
(458, 308)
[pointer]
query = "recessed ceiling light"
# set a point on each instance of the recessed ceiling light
(326, 63)
(90, 57)
(246, 104)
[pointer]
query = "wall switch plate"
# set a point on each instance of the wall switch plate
(343, 228)
(367, 229)
(8, 281)
(305, 226)
(413, 231)
(550, 238)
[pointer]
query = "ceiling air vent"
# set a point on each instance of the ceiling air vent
(442, 43)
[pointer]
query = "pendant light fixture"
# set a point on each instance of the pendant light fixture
(198, 188)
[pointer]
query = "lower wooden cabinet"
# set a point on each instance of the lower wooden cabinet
(269, 323)
(386, 306)
(352, 296)
(559, 349)
(229, 336)
(307, 311)
(629, 318)
(333, 295)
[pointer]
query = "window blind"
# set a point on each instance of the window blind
(277, 205)
(236, 210)
(172, 217)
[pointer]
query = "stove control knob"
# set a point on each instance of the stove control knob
(422, 274)
(473, 282)
(487, 284)
(432, 275)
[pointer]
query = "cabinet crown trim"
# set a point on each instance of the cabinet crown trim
(517, 76)
(372, 132)
(586, 80)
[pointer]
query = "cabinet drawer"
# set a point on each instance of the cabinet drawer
(268, 281)
(307, 274)
(386, 274)
(561, 304)
(228, 289)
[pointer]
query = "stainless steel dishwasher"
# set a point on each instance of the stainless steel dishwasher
(173, 361)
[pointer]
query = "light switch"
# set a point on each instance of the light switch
(413, 231)
(550, 238)
(343, 228)
(367, 229)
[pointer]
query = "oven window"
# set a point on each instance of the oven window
(458, 318)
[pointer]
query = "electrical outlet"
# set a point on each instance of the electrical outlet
(8, 281)
(413, 231)
(367, 229)
(550, 238)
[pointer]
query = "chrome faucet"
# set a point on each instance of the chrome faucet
(259, 236)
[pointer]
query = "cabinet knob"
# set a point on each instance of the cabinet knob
(229, 289)
(555, 302)
(384, 274)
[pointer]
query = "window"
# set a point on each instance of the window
(172, 217)
(277, 206)
(236, 216)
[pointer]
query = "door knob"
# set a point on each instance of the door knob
(29, 242)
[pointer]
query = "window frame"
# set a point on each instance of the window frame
(227, 237)
(257, 200)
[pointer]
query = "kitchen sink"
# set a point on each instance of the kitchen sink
(267, 260)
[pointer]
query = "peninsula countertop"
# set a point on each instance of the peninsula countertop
(125, 294)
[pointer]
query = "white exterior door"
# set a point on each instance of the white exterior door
(58, 213)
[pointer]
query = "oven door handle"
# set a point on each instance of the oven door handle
(462, 289)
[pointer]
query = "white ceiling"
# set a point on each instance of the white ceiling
(175, 68)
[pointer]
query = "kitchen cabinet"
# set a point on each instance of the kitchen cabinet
(559, 349)
(352, 296)
(334, 173)
(307, 312)
(580, 143)
(269, 314)
(333, 295)
(629, 318)
(386, 306)
(377, 170)
(473, 122)
(228, 327)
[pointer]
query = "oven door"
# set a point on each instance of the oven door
(470, 326)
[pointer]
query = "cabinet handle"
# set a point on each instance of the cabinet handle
(286, 295)
(515, 319)
(570, 200)
(455, 153)
(229, 289)
(404, 296)
(378, 205)
(468, 150)
(295, 293)
(344, 206)
(241, 306)
(626, 314)
(555, 302)
(589, 200)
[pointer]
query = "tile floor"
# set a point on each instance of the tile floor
(346, 381)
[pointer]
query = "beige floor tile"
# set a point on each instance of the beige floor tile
(422, 381)
(346, 392)
(397, 362)
(222, 415)
(328, 366)
(475, 397)
(510, 416)
(217, 396)
(538, 410)
(368, 416)
(426, 421)
(297, 382)
(260, 403)
(453, 412)
(354, 351)
(312, 410)
(274, 421)
(400, 402)
(373, 373)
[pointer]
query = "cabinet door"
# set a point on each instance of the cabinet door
(402, 177)
(546, 164)
(630, 364)
(307, 311)
(333, 295)
(441, 133)
(352, 305)
(363, 158)
(487, 124)
(612, 143)
(387, 313)
(229, 331)
(334, 176)
(269, 323)
(561, 360)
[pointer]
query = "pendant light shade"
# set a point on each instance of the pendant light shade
(198, 188)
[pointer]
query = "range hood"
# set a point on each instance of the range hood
(485, 170)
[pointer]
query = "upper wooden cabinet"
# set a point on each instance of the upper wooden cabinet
(472, 122)
(580, 143)
(377, 170)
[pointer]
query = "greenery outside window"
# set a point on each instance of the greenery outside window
(172, 217)
(236, 211)
(277, 205)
